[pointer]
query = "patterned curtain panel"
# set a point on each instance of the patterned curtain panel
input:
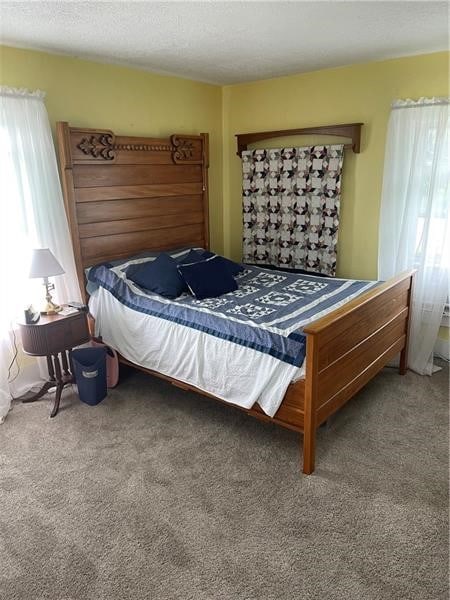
(291, 200)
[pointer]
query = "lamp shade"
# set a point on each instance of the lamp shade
(44, 264)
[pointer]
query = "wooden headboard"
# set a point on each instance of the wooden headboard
(124, 195)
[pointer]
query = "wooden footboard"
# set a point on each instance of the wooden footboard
(346, 348)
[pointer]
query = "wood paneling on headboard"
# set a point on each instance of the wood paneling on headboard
(124, 195)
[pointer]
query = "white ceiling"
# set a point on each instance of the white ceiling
(228, 42)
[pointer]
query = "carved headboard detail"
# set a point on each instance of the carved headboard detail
(104, 146)
(124, 195)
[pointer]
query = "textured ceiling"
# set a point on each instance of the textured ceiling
(228, 42)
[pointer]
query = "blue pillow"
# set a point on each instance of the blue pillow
(208, 278)
(232, 266)
(132, 269)
(160, 276)
(192, 256)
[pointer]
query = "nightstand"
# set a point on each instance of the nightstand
(54, 336)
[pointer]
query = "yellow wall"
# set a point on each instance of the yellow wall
(444, 333)
(131, 101)
(359, 93)
(128, 101)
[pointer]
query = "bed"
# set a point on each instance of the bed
(127, 195)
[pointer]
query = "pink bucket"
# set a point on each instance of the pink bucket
(112, 363)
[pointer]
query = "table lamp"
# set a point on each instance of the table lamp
(44, 264)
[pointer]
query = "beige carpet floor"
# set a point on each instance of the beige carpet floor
(159, 494)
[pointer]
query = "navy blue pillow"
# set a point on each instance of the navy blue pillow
(232, 266)
(192, 257)
(160, 276)
(132, 269)
(208, 278)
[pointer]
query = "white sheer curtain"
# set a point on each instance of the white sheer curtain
(414, 220)
(32, 216)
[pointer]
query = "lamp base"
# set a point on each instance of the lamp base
(50, 308)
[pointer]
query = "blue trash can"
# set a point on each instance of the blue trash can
(89, 368)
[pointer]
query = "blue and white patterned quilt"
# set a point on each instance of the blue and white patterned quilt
(267, 312)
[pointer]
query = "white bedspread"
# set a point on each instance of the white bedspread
(234, 373)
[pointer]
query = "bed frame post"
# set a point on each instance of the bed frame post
(205, 167)
(403, 366)
(310, 421)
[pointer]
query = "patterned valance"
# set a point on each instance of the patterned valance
(291, 200)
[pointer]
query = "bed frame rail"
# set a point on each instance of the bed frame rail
(346, 348)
